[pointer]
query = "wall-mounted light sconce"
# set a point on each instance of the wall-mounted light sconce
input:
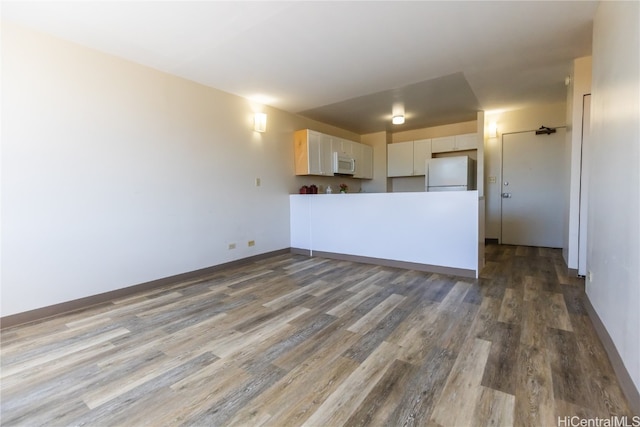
(260, 122)
(493, 130)
(397, 120)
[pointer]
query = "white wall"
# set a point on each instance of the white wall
(580, 85)
(114, 174)
(613, 246)
(525, 119)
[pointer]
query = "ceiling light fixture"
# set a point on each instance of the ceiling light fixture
(397, 113)
(260, 122)
(397, 120)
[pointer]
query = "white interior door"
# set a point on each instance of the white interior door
(533, 189)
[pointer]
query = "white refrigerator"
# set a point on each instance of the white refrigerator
(450, 174)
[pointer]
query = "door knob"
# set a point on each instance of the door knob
(506, 195)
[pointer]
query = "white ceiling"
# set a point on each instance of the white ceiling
(344, 63)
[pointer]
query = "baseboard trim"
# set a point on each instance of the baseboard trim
(626, 383)
(451, 271)
(83, 303)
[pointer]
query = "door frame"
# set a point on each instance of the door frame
(584, 186)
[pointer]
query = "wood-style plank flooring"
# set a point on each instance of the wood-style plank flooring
(292, 340)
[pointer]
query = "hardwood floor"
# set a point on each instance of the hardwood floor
(292, 340)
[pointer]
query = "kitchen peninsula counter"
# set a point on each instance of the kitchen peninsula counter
(430, 231)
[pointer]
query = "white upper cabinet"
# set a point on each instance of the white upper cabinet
(408, 158)
(343, 146)
(312, 152)
(446, 144)
(467, 141)
(325, 155)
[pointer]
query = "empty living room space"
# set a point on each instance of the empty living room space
(320, 213)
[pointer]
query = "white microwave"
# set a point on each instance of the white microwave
(343, 165)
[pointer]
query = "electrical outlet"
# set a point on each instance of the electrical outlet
(257, 182)
(251, 243)
(232, 246)
(492, 180)
(590, 275)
